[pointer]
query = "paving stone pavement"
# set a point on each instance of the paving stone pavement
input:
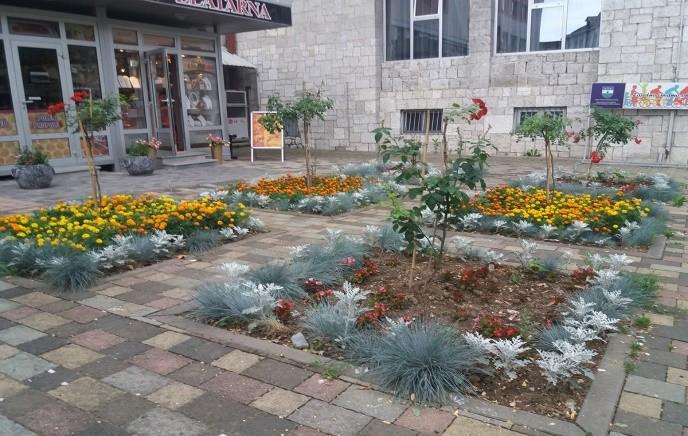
(116, 360)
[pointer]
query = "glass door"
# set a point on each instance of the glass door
(42, 76)
(162, 69)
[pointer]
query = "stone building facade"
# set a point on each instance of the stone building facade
(340, 46)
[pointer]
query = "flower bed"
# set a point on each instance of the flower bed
(73, 243)
(328, 195)
(526, 337)
(579, 218)
(658, 187)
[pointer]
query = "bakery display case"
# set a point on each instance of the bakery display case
(202, 98)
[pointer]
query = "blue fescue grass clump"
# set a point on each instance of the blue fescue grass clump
(546, 337)
(327, 321)
(325, 262)
(425, 361)
(75, 272)
(203, 240)
(645, 235)
(142, 250)
(226, 304)
(338, 205)
(390, 239)
(364, 170)
(641, 288)
(285, 275)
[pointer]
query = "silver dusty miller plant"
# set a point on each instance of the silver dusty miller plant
(527, 252)
(568, 361)
(502, 353)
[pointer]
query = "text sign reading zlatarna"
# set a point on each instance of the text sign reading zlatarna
(247, 8)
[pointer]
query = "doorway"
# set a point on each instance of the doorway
(42, 73)
(166, 100)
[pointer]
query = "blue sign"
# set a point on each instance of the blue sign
(608, 95)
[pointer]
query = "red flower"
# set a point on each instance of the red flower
(56, 108)
(638, 140)
(482, 109)
(595, 157)
(79, 96)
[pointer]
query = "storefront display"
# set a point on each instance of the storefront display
(169, 76)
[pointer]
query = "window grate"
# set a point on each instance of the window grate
(413, 121)
(523, 113)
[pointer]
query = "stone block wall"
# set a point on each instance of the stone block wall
(340, 43)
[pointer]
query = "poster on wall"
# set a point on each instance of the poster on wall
(656, 95)
(608, 95)
(261, 139)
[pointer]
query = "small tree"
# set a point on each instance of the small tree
(608, 129)
(86, 116)
(552, 130)
(306, 109)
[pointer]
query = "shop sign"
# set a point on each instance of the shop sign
(247, 8)
(608, 95)
(42, 121)
(261, 137)
(656, 95)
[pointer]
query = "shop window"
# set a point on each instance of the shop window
(421, 29)
(198, 44)
(125, 36)
(130, 88)
(522, 114)
(202, 98)
(158, 40)
(23, 26)
(80, 32)
(553, 24)
(415, 121)
(8, 125)
(84, 66)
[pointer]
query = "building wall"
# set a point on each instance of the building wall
(639, 41)
(335, 48)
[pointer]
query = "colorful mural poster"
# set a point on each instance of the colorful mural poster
(8, 124)
(662, 95)
(260, 137)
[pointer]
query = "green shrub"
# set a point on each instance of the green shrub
(76, 272)
(32, 157)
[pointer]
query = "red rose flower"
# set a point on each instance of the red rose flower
(595, 157)
(638, 140)
(56, 108)
(79, 96)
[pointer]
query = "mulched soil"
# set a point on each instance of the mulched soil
(518, 298)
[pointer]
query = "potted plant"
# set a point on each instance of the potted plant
(32, 170)
(217, 143)
(141, 157)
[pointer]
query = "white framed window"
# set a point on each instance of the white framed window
(523, 113)
(423, 29)
(546, 25)
(414, 121)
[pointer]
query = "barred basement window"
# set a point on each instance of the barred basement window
(523, 113)
(413, 121)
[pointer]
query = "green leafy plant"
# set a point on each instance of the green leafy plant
(642, 322)
(32, 157)
(679, 200)
(607, 129)
(552, 130)
(533, 152)
(409, 168)
(309, 107)
(328, 370)
(629, 367)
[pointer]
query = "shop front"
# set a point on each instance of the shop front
(164, 57)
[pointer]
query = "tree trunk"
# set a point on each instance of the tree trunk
(413, 267)
(87, 145)
(445, 147)
(426, 143)
(549, 157)
(307, 153)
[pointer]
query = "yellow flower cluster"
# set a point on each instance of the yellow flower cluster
(604, 213)
(83, 226)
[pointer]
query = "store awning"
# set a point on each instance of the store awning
(226, 16)
(232, 60)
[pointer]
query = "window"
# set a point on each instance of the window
(414, 121)
(522, 114)
(84, 68)
(81, 32)
(422, 29)
(198, 44)
(158, 40)
(125, 36)
(545, 25)
(130, 89)
(22, 26)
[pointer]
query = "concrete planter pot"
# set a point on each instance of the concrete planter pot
(33, 176)
(139, 165)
